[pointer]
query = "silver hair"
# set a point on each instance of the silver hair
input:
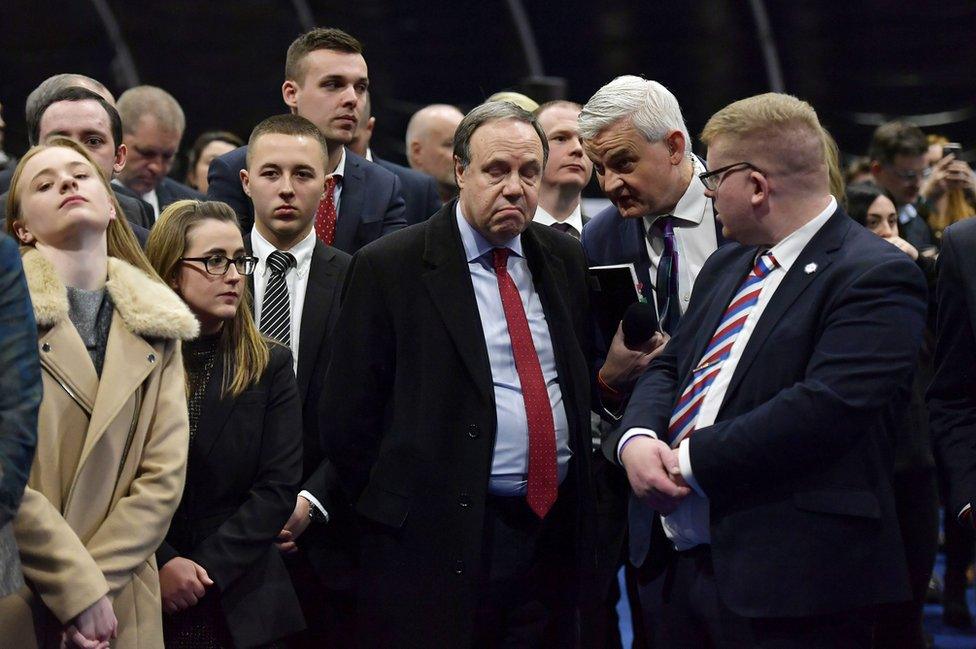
(150, 100)
(493, 111)
(651, 107)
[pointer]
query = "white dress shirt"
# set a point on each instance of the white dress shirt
(296, 280)
(694, 235)
(575, 219)
(688, 525)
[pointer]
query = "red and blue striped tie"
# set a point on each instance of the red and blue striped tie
(719, 347)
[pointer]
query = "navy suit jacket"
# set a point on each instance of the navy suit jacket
(952, 395)
(168, 191)
(371, 203)
(798, 463)
(419, 191)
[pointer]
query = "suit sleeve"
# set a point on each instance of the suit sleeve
(433, 199)
(952, 395)
(20, 381)
(867, 350)
(359, 382)
(395, 216)
(224, 184)
(138, 523)
(251, 530)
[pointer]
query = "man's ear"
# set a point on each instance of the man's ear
(121, 152)
(246, 182)
(458, 172)
(875, 168)
(289, 94)
(760, 188)
(413, 151)
(675, 141)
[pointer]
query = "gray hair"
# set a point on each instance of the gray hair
(150, 100)
(52, 86)
(651, 107)
(493, 111)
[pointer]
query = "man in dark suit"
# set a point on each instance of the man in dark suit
(760, 434)
(952, 395)
(87, 118)
(456, 410)
(297, 303)
(419, 190)
(326, 79)
(568, 169)
(152, 127)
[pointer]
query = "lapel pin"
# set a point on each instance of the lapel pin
(810, 268)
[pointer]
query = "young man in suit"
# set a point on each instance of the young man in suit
(152, 127)
(759, 435)
(568, 169)
(326, 79)
(296, 287)
(457, 405)
(419, 190)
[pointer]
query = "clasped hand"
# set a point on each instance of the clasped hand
(93, 628)
(182, 583)
(654, 473)
(624, 365)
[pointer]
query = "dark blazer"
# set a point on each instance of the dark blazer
(20, 380)
(408, 420)
(6, 175)
(169, 191)
(798, 464)
(319, 314)
(952, 395)
(242, 478)
(370, 206)
(138, 213)
(419, 191)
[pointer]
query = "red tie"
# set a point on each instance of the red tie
(543, 481)
(325, 215)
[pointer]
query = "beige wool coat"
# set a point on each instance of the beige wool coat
(110, 463)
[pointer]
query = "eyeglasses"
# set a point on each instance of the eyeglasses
(911, 176)
(220, 264)
(712, 179)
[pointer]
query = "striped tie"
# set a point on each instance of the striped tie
(718, 349)
(276, 307)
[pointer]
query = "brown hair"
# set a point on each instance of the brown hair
(320, 38)
(241, 345)
(288, 124)
(894, 139)
(122, 244)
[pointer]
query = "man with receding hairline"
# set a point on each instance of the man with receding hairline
(430, 144)
(760, 435)
(568, 169)
(152, 127)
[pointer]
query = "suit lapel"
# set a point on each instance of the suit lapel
(448, 282)
(818, 252)
(215, 413)
(319, 293)
(351, 201)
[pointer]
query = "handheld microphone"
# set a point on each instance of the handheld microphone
(639, 324)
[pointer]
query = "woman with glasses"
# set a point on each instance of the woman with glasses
(916, 493)
(223, 581)
(112, 427)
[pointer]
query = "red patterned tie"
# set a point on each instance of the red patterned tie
(543, 481)
(325, 215)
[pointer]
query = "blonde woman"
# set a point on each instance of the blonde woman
(112, 428)
(223, 580)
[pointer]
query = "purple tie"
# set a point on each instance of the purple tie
(666, 288)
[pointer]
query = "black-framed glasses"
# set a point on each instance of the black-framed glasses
(712, 179)
(220, 264)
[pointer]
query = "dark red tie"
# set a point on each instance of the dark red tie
(543, 480)
(325, 215)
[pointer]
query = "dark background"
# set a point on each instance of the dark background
(858, 62)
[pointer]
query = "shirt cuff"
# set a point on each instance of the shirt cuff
(315, 503)
(684, 463)
(631, 434)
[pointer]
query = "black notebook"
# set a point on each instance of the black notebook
(612, 290)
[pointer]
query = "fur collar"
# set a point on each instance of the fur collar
(147, 307)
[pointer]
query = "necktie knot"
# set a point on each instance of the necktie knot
(331, 182)
(764, 264)
(279, 262)
(499, 257)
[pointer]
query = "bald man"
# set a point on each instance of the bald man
(430, 145)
